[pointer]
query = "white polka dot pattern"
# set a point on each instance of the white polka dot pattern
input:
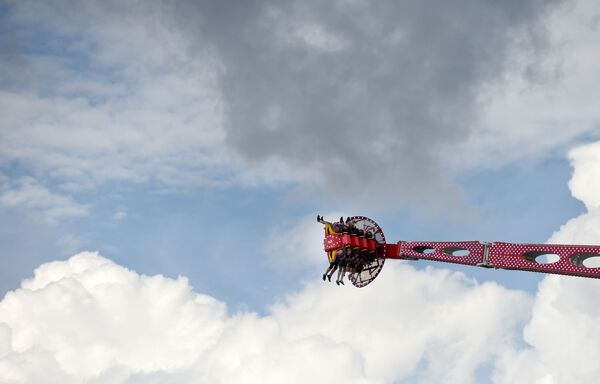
(411, 250)
(505, 255)
(510, 256)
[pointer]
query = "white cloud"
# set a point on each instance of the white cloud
(563, 334)
(88, 320)
(97, 316)
(28, 193)
(584, 185)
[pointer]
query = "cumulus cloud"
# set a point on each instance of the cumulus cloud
(98, 318)
(584, 185)
(89, 320)
(563, 335)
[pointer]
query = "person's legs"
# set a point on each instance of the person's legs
(332, 268)
(340, 276)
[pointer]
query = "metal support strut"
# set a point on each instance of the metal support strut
(485, 262)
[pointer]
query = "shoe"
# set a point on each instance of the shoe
(324, 277)
(341, 282)
(329, 278)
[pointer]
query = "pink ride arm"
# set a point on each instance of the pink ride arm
(501, 255)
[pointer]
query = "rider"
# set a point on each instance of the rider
(339, 257)
(350, 263)
(337, 227)
(343, 259)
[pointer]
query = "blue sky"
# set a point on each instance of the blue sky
(198, 140)
(218, 238)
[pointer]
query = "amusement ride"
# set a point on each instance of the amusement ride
(358, 247)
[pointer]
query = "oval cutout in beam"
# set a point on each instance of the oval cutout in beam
(541, 257)
(424, 249)
(456, 251)
(586, 260)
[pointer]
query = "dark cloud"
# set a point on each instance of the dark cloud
(366, 96)
(375, 92)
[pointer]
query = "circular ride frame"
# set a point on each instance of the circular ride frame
(370, 270)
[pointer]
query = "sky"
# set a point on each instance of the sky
(162, 164)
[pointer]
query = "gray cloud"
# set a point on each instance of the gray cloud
(358, 92)
(372, 97)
